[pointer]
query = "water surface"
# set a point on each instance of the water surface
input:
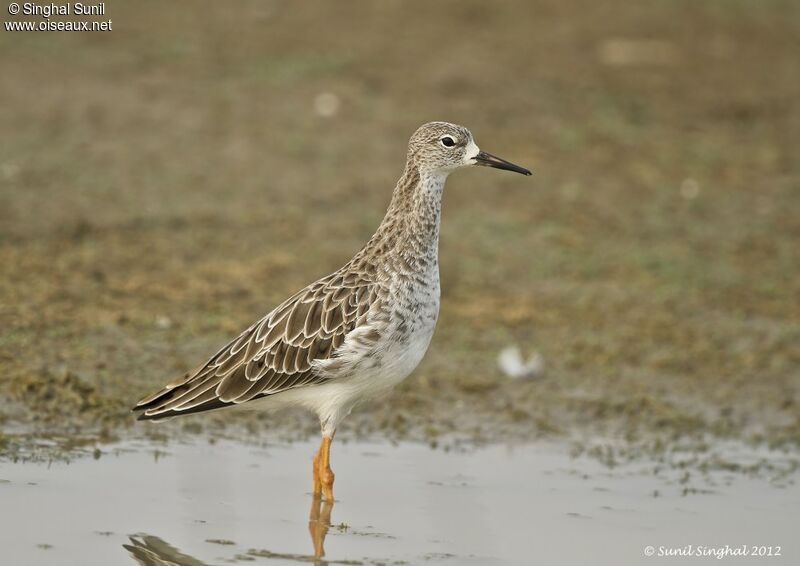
(227, 502)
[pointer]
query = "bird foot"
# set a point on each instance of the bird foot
(326, 477)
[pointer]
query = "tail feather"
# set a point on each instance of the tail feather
(157, 407)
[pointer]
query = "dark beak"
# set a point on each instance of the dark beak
(488, 160)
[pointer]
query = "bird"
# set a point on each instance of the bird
(351, 335)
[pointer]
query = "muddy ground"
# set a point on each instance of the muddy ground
(164, 184)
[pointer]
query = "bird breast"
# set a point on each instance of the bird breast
(412, 320)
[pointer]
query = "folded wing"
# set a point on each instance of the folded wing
(276, 353)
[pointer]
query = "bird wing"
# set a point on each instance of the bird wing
(274, 354)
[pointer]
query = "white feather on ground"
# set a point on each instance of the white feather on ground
(511, 363)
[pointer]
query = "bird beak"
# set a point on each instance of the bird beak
(488, 160)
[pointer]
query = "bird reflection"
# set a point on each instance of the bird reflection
(149, 550)
(319, 521)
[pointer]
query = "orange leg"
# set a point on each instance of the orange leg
(315, 473)
(324, 475)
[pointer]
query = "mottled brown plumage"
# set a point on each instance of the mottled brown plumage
(275, 353)
(352, 334)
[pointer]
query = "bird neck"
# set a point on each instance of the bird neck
(411, 224)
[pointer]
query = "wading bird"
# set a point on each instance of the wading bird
(353, 334)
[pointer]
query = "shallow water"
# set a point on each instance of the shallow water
(226, 502)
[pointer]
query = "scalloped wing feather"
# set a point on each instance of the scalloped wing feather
(279, 352)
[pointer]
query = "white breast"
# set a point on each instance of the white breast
(413, 322)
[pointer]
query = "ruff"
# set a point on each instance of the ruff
(353, 334)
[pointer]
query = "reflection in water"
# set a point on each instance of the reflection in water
(150, 550)
(319, 521)
(457, 507)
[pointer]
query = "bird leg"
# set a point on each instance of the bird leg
(315, 473)
(323, 476)
(321, 472)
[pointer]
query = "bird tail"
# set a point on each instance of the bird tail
(164, 405)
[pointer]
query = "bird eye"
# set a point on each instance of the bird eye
(447, 141)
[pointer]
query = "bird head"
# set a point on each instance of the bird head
(442, 147)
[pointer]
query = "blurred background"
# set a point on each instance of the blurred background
(165, 183)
